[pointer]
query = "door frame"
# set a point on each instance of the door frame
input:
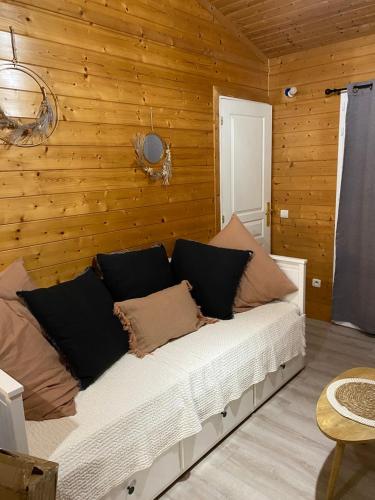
(227, 91)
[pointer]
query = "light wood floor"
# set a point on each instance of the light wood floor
(279, 453)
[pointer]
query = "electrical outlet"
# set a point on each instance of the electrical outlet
(316, 282)
(284, 214)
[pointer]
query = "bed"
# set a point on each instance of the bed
(165, 411)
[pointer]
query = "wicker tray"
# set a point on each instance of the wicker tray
(354, 398)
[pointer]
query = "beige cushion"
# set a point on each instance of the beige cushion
(13, 279)
(154, 320)
(49, 389)
(262, 281)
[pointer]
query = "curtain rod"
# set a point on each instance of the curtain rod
(344, 89)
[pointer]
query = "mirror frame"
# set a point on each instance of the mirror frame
(165, 171)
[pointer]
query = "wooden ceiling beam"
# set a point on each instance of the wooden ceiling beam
(233, 28)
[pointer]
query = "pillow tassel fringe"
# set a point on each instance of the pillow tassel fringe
(126, 323)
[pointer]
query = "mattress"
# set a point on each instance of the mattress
(141, 407)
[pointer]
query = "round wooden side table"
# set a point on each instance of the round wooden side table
(341, 429)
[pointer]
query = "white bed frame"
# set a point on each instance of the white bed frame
(147, 484)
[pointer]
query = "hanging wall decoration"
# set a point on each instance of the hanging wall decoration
(25, 133)
(150, 150)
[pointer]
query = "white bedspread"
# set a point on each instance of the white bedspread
(141, 407)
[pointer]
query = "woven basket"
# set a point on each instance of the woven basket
(354, 398)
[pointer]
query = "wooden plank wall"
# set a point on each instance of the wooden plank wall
(62, 203)
(305, 154)
(109, 62)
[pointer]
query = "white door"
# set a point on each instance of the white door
(245, 165)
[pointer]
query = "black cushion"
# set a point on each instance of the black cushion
(213, 272)
(78, 319)
(134, 274)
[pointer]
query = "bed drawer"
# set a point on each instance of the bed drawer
(293, 366)
(194, 447)
(277, 379)
(236, 411)
(265, 389)
(147, 484)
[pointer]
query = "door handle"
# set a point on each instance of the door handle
(268, 213)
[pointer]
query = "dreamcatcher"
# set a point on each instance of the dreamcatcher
(13, 131)
(151, 150)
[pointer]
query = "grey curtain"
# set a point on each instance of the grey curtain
(354, 284)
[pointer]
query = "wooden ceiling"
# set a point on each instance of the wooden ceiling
(279, 27)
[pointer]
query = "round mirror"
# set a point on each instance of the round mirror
(153, 148)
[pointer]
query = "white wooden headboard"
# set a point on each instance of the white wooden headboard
(295, 269)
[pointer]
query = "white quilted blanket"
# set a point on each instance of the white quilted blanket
(141, 407)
